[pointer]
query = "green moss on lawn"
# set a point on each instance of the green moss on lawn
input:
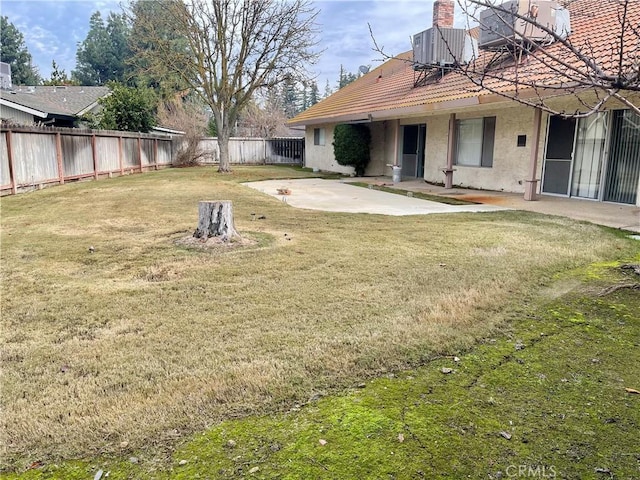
(555, 384)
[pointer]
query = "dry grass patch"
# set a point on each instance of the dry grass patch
(144, 340)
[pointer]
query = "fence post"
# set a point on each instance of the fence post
(59, 158)
(95, 156)
(120, 154)
(155, 153)
(14, 187)
(264, 141)
(140, 153)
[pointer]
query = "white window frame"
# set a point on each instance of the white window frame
(319, 136)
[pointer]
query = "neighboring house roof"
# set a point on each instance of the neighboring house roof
(388, 91)
(43, 101)
(170, 131)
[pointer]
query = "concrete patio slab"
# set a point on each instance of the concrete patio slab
(624, 217)
(339, 196)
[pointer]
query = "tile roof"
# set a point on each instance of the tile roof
(67, 100)
(388, 91)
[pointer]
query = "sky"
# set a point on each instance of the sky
(53, 28)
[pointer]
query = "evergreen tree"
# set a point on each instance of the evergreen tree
(303, 95)
(102, 56)
(290, 98)
(327, 90)
(148, 19)
(14, 52)
(314, 95)
(346, 77)
(58, 76)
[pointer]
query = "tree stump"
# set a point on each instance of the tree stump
(215, 219)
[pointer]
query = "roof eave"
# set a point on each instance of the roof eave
(93, 105)
(391, 114)
(22, 108)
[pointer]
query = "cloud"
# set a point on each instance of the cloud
(53, 28)
(347, 39)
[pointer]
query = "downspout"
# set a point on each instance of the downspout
(531, 187)
(448, 172)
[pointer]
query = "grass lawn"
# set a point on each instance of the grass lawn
(132, 350)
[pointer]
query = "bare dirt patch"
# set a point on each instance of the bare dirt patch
(215, 243)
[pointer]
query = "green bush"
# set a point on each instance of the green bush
(128, 109)
(351, 146)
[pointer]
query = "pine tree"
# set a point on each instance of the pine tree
(58, 76)
(290, 98)
(346, 77)
(303, 95)
(314, 96)
(14, 52)
(102, 56)
(149, 19)
(327, 90)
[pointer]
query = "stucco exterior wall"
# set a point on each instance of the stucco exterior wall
(510, 162)
(382, 149)
(383, 146)
(16, 116)
(321, 156)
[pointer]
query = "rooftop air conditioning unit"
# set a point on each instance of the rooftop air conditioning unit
(5, 75)
(444, 46)
(499, 25)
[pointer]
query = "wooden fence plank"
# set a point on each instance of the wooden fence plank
(94, 153)
(59, 158)
(14, 187)
(43, 155)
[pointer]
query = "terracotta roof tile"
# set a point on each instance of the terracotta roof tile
(388, 90)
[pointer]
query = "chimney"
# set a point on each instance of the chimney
(443, 13)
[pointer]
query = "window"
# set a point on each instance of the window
(318, 136)
(474, 142)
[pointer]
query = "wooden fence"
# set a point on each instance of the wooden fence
(257, 151)
(34, 157)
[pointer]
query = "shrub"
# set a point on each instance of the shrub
(351, 146)
(128, 109)
(188, 116)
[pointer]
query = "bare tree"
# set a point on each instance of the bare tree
(264, 117)
(233, 49)
(186, 115)
(535, 68)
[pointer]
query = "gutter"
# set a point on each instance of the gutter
(402, 112)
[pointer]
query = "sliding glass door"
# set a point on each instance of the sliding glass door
(591, 140)
(623, 171)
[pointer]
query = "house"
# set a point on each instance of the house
(440, 126)
(59, 106)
